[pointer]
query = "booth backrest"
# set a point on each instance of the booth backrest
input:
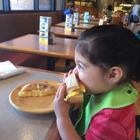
(36, 17)
(15, 25)
(57, 17)
(60, 17)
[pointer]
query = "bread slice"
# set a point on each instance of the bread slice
(36, 89)
(72, 83)
(75, 89)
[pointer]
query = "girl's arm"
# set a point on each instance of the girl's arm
(64, 124)
(132, 26)
(66, 129)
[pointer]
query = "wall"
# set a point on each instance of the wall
(1, 5)
(101, 4)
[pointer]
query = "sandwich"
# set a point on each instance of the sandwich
(74, 89)
(36, 89)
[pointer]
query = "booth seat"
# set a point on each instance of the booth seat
(16, 25)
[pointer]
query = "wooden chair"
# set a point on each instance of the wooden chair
(117, 18)
(120, 13)
(116, 21)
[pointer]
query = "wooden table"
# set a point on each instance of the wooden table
(95, 19)
(64, 48)
(95, 23)
(60, 31)
(138, 23)
(81, 26)
(18, 125)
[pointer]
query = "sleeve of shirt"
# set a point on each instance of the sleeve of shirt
(105, 127)
(134, 16)
(136, 10)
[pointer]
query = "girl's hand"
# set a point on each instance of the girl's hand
(70, 72)
(61, 107)
(67, 74)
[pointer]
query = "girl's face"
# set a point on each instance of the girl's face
(91, 76)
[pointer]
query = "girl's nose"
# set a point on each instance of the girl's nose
(75, 70)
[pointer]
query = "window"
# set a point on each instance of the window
(44, 4)
(1, 5)
(22, 4)
(34, 5)
(58, 4)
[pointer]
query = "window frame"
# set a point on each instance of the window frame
(7, 9)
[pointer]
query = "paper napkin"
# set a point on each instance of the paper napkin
(7, 69)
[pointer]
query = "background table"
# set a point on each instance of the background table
(95, 19)
(81, 26)
(60, 31)
(64, 47)
(95, 23)
(17, 125)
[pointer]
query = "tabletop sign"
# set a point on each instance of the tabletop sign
(44, 27)
(76, 18)
(68, 22)
(86, 17)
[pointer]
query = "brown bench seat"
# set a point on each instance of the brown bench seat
(22, 59)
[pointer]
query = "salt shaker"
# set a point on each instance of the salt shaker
(73, 27)
(51, 38)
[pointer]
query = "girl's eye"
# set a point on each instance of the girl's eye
(80, 67)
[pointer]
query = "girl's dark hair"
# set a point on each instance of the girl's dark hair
(72, 5)
(111, 45)
(110, 8)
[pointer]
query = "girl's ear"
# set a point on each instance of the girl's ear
(115, 74)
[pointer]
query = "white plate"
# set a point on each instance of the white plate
(34, 105)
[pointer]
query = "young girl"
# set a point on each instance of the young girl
(107, 59)
(109, 13)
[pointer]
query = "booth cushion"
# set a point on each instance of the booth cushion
(15, 25)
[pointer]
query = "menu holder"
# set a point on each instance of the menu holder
(86, 17)
(76, 19)
(101, 22)
(44, 27)
(69, 23)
